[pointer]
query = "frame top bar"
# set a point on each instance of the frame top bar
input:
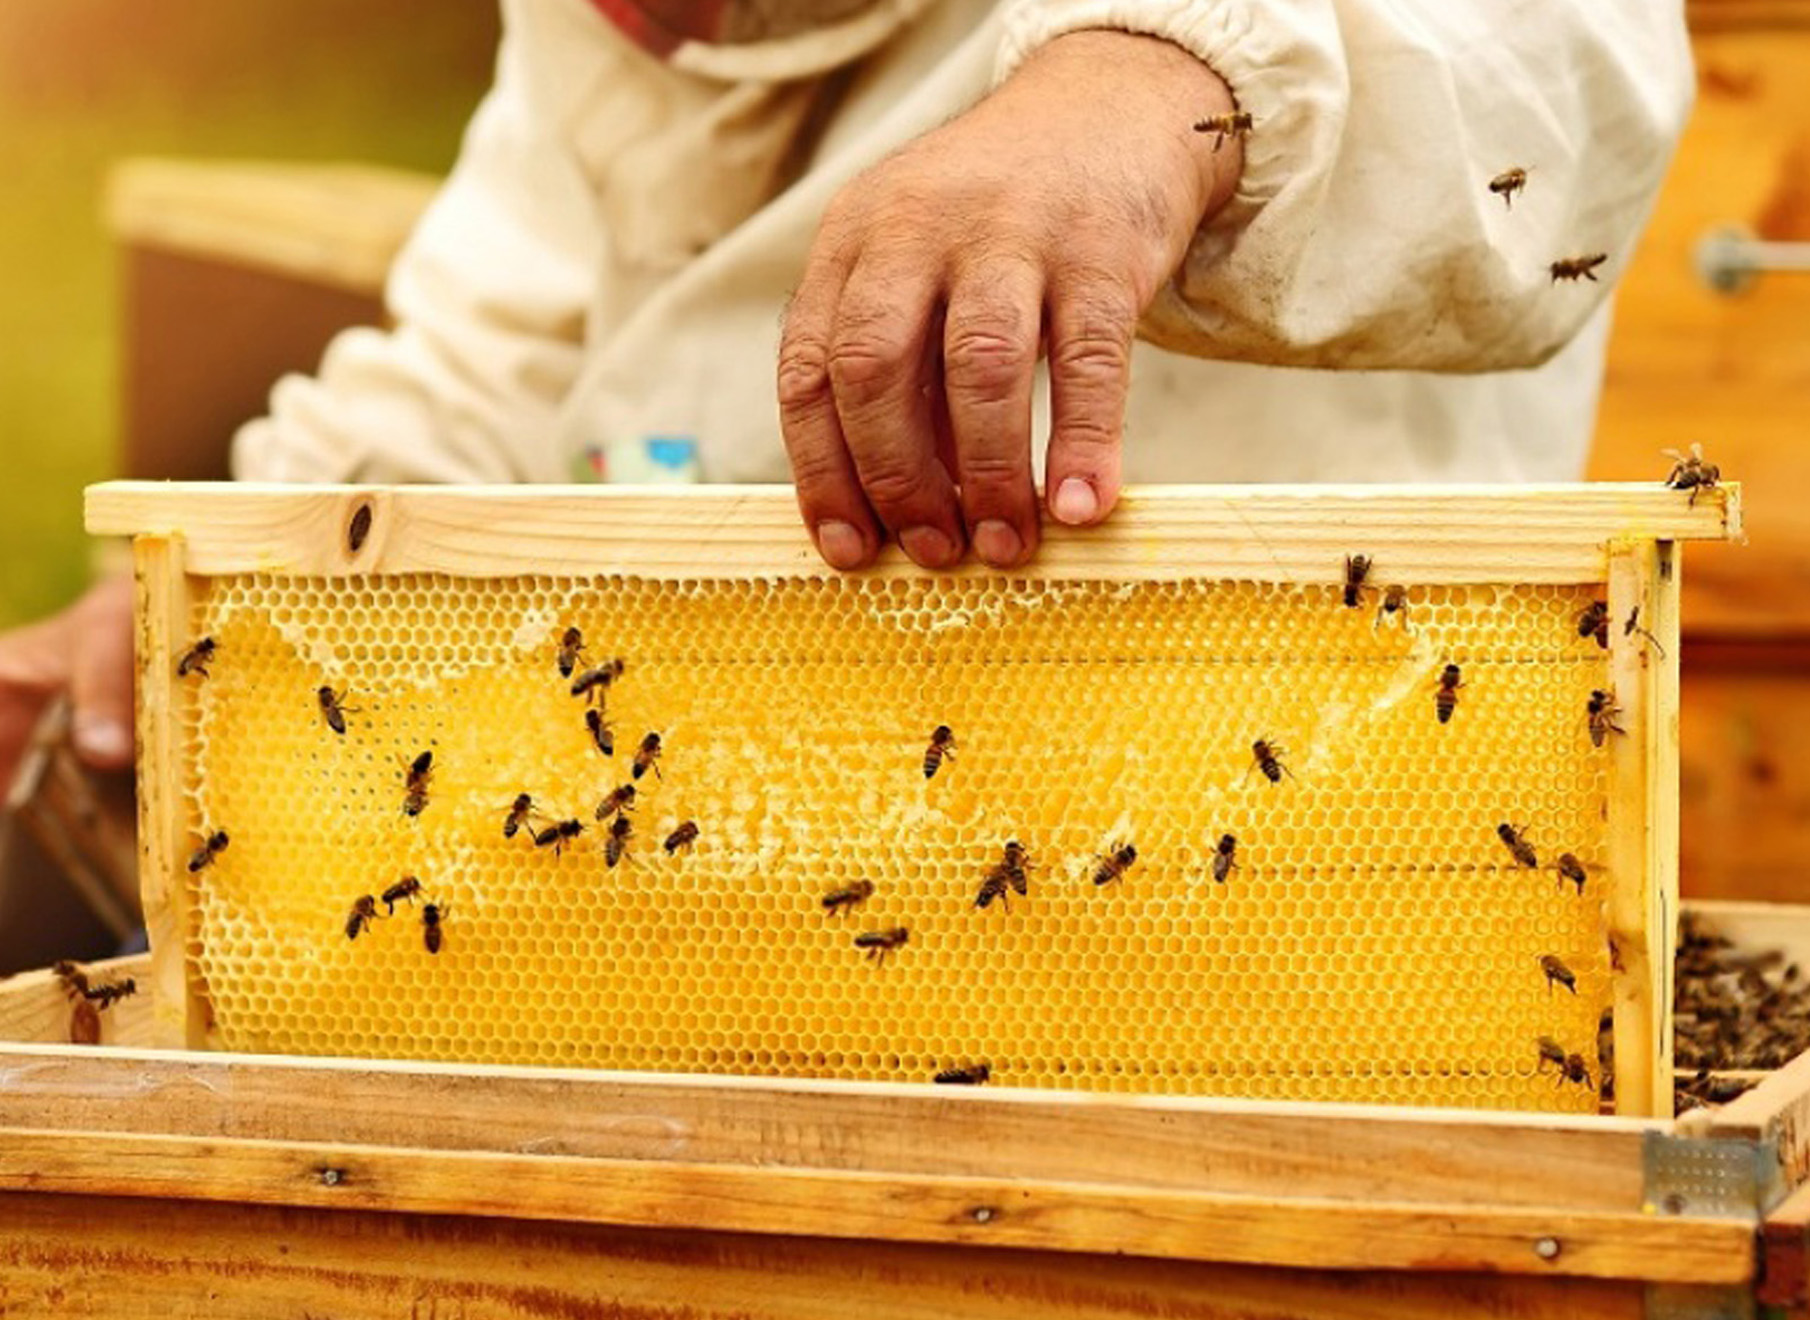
(1415, 535)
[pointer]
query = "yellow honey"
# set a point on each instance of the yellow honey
(1376, 942)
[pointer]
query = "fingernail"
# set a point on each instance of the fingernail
(840, 544)
(102, 739)
(997, 543)
(927, 546)
(1075, 502)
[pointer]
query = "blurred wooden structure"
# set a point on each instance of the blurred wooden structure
(1689, 362)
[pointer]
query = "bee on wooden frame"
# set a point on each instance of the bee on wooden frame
(840, 900)
(1357, 570)
(416, 779)
(1445, 701)
(571, 645)
(973, 1074)
(1690, 471)
(1576, 268)
(879, 943)
(942, 747)
(196, 659)
(1631, 625)
(1231, 124)
(105, 996)
(1506, 184)
(363, 913)
(211, 847)
(1600, 710)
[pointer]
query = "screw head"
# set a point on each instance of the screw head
(983, 1214)
(1547, 1248)
(332, 1177)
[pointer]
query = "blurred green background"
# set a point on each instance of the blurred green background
(86, 82)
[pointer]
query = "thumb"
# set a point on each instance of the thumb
(101, 674)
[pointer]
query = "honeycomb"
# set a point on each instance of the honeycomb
(1376, 941)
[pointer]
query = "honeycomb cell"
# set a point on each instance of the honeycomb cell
(1375, 942)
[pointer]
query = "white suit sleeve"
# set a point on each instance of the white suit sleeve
(1363, 233)
(488, 299)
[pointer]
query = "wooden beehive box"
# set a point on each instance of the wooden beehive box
(1377, 940)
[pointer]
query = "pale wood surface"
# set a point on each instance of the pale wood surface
(1177, 1143)
(1777, 1110)
(1643, 821)
(34, 1007)
(160, 620)
(87, 1257)
(1077, 1217)
(1416, 535)
(336, 224)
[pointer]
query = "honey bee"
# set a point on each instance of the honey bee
(334, 709)
(848, 896)
(621, 829)
(1690, 471)
(1573, 268)
(74, 979)
(1601, 711)
(1575, 1070)
(1571, 869)
(683, 837)
(1593, 621)
(1395, 601)
(558, 836)
(1445, 701)
(105, 996)
(1111, 866)
(617, 802)
(405, 888)
(519, 811)
(571, 643)
(1550, 1052)
(648, 756)
(205, 854)
(1506, 184)
(1557, 973)
(420, 773)
(1011, 873)
(1234, 123)
(1631, 625)
(432, 933)
(196, 659)
(1357, 569)
(1267, 757)
(364, 912)
(601, 733)
(1225, 858)
(594, 683)
(1513, 840)
(942, 747)
(972, 1075)
(879, 943)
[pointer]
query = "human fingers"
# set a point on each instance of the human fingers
(101, 675)
(1092, 318)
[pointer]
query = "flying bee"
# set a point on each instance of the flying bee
(1517, 844)
(1267, 757)
(1395, 601)
(942, 747)
(1225, 858)
(879, 943)
(364, 912)
(1574, 268)
(334, 709)
(1690, 471)
(1357, 569)
(594, 683)
(104, 996)
(648, 756)
(1233, 123)
(405, 888)
(1557, 973)
(205, 854)
(1445, 701)
(420, 773)
(1575, 1070)
(558, 836)
(432, 934)
(571, 643)
(1601, 711)
(617, 802)
(601, 733)
(1506, 184)
(1571, 869)
(621, 829)
(1593, 621)
(1631, 625)
(972, 1075)
(519, 811)
(196, 659)
(1110, 866)
(1550, 1052)
(683, 837)
(848, 896)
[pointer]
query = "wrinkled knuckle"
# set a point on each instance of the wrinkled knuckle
(816, 471)
(864, 364)
(1087, 431)
(995, 471)
(988, 361)
(893, 482)
(1097, 345)
(803, 374)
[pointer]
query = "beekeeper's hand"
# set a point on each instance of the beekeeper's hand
(85, 651)
(1045, 219)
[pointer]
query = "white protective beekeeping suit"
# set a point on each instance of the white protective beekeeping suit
(608, 263)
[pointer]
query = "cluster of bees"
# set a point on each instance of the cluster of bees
(520, 818)
(1733, 1010)
(88, 1000)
